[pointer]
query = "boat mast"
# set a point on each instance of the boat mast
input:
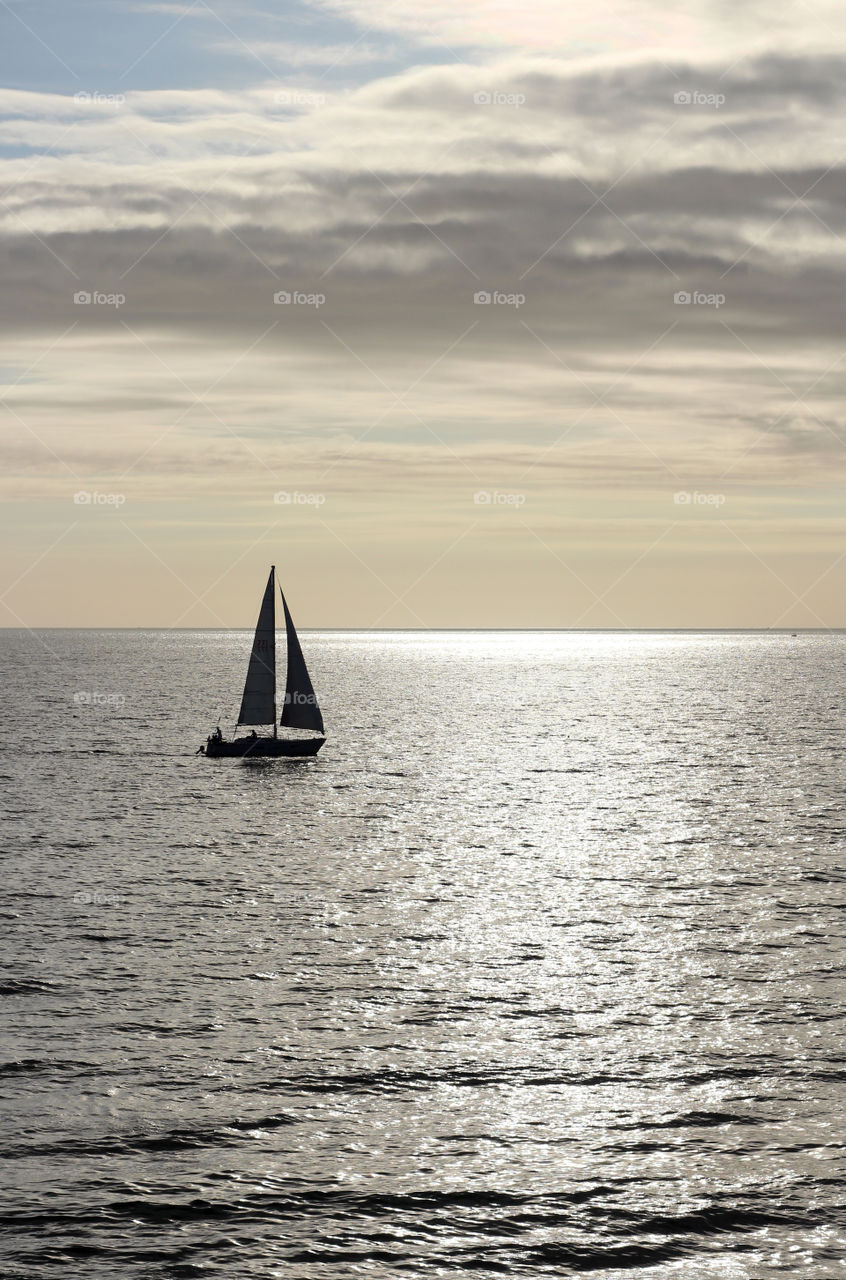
(275, 708)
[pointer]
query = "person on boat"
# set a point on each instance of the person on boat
(253, 734)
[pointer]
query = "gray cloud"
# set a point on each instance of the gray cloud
(501, 198)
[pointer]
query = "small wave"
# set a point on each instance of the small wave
(396, 1080)
(572, 769)
(322, 1203)
(696, 1120)
(31, 1066)
(225, 1134)
(106, 937)
(602, 1232)
(26, 986)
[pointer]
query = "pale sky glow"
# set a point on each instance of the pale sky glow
(464, 314)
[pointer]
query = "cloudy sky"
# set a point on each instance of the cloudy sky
(465, 314)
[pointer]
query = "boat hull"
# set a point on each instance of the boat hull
(263, 748)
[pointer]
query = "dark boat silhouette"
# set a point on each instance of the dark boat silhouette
(258, 704)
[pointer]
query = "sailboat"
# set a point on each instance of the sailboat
(258, 705)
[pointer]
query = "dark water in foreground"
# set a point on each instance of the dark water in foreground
(535, 971)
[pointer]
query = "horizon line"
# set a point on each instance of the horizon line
(457, 630)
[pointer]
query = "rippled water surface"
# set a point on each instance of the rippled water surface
(535, 970)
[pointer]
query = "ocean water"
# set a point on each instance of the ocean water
(535, 971)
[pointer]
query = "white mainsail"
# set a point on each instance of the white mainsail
(301, 710)
(258, 705)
